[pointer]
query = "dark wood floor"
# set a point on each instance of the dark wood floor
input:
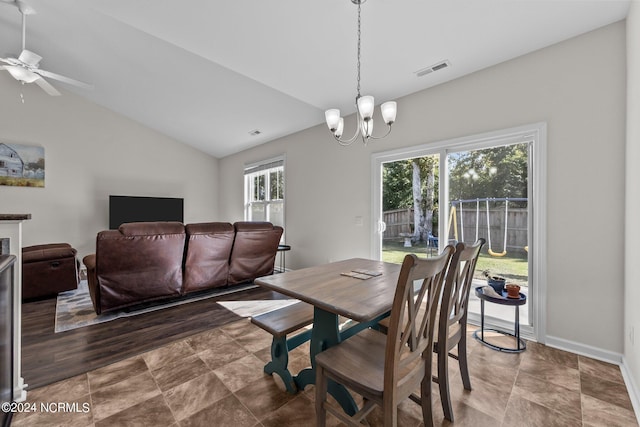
(48, 357)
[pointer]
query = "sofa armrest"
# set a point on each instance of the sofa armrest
(90, 262)
(92, 281)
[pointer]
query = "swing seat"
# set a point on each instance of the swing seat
(498, 254)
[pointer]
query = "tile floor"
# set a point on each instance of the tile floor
(215, 379)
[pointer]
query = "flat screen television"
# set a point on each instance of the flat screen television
(142, 209)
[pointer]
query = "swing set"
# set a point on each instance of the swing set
(453, 219)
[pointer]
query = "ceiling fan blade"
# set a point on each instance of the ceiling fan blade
(30, 58)
(64, 79)
(46, 86)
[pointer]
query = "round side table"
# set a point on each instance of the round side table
(282, 249)
(516, 302)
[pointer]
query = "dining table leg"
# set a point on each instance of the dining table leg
(325, 334)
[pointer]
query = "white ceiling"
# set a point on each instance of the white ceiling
(208, 72)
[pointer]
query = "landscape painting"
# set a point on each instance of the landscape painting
(21, 165)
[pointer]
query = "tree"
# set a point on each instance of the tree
(412, 183)
(492, 172)
(423, 186)
(396, 188)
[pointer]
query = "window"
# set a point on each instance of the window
(3, 164)
(264, 191)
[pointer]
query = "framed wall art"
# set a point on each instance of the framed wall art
(21, 165)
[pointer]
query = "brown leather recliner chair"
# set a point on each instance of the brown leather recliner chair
(207, 255)
(48, 269)
(137, 263)
(254, 250)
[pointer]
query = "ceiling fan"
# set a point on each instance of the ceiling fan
(25, 68)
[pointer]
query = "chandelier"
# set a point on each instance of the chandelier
(364, 106)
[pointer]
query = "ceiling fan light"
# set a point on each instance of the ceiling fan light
(365, 107)
(389, 110)
(333, 118)
(22, 74)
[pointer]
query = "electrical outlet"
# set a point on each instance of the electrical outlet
(359, 221)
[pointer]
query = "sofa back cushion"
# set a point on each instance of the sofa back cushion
(139, 262)
(254, 250)
(207, 257)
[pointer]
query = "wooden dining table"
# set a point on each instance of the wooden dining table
(333, 291)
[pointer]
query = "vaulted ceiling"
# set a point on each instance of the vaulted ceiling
(207, 73)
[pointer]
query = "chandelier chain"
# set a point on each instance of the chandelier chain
(358, 79)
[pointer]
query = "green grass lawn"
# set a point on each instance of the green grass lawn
(511, 266)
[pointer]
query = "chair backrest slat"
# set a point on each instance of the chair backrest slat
(455, 294)
(411, 330)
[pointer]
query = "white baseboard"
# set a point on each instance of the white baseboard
(604, 356)
(584, 350)
(632, 387)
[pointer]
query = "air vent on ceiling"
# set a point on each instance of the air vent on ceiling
(431, 69)
(255, 132)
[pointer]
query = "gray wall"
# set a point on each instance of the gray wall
(632, 230)
(577, 87)
(91, 152)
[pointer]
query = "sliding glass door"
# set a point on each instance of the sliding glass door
(488, 197)
(484, 186)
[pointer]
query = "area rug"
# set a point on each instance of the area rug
(75, 310)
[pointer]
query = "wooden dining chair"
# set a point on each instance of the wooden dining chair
(386, 369)
(452, 322)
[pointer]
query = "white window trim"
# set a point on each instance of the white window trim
(265, 164)
(537, 133)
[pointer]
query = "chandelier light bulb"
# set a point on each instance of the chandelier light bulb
(365, 107)
(369, 128)
(366, 128)
(338, 132)
(333, 118)
(389, 110)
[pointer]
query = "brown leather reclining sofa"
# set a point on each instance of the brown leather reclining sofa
(149, 261)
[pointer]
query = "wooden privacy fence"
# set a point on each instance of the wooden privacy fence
(398, 221)
(401, 221)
